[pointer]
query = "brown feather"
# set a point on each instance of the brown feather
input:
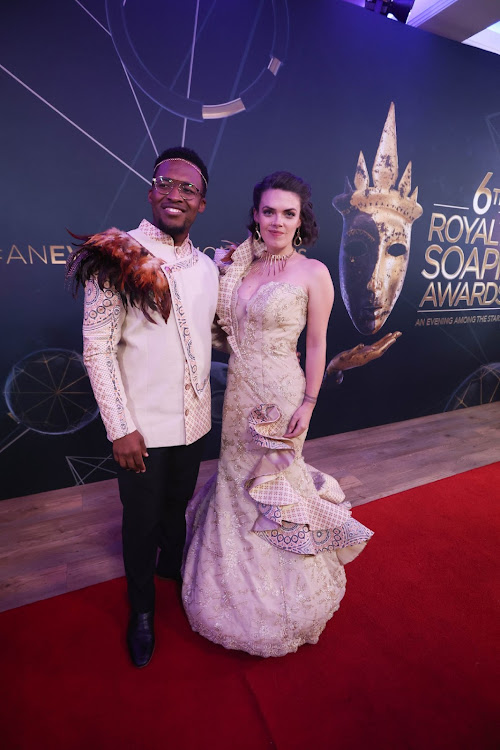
(115, 258)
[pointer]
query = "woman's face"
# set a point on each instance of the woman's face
(278, 217)
(373, 260)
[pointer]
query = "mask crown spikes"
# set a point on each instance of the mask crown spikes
(361, 178)
(385, 194)
(416, 208)
(385, 166)
(404, 186)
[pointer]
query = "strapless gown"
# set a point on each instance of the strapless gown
(268, 536)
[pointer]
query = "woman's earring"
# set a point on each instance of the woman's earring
(297, 240)
(257, 235)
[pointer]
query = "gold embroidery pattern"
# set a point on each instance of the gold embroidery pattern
(102, 319)
(197, 410)
(183, 325)
(158, 236)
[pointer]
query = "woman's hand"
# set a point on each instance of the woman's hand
(223, 256)
(299, 421)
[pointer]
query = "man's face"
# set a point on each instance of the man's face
(174, 214)
(373, 260)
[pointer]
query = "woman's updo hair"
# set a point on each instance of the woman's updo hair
(293, 184)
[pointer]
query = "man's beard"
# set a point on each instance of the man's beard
(172, 231)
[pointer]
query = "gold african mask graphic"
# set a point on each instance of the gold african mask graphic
(375, 245)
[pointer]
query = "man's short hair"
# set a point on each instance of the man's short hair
(181, 152)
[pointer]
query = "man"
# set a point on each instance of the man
(150, 299)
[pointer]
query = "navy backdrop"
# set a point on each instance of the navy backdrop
(93, 89)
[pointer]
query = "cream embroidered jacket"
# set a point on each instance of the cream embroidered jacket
(154, 377)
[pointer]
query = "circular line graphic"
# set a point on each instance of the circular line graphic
(49, 392)
(481, 387)
(183, 105)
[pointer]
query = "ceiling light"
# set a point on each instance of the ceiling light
(398, 9)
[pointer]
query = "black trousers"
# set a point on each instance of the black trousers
(154, 506)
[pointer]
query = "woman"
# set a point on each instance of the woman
(268, 535)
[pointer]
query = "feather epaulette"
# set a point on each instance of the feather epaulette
(114, 258)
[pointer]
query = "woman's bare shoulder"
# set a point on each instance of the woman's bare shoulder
(314, 267)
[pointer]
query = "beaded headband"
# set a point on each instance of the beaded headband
(178, 158)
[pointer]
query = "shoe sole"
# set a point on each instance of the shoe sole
(141, 666)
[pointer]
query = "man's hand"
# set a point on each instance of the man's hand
(129, 452)
(360, 355)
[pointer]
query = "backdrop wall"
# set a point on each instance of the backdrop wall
(92, 90)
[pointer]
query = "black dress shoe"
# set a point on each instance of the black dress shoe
(141, 638)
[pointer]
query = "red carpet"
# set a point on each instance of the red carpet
(409, 662)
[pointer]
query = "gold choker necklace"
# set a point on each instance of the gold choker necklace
(274, 261)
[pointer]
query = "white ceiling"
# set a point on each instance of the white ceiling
(474, 22)
(488, 39)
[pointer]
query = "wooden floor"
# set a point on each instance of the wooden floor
(59, 541)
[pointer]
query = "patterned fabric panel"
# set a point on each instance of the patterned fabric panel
(102, 321)
(280, 501)
(301, 539)
(197, 410)
(157, 235)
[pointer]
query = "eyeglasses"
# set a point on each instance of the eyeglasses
(165, 185)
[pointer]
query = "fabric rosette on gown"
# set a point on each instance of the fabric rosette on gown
(318, 522)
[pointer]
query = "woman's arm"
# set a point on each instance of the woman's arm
(320, 291)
